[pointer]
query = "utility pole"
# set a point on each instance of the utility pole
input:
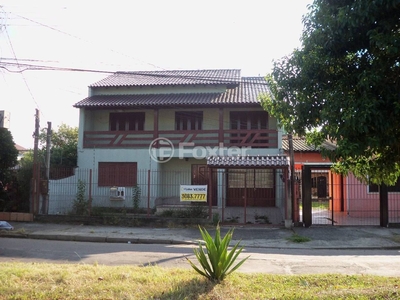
(36, 168)
(292, 175)
(45, 183)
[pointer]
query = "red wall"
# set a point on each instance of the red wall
(362, 203)
(301, 158)
(335, 186)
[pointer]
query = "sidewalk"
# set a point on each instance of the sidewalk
(324, 237)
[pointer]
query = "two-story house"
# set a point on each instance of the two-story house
(163, 129)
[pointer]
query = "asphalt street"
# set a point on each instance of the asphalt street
(328, 249)
(261, 260)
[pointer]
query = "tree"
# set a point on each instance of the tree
(8, 159)
(343, 84)
(64, 146)
(8, 153)
(24, 177)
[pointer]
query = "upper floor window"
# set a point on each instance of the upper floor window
(127, 121)
(188, 120)
(250, 120)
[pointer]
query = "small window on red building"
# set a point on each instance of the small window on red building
(374, 188)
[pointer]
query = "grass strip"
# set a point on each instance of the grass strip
(71, 281)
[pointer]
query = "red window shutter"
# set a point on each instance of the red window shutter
(117, 174)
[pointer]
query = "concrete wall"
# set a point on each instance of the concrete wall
(62, 193)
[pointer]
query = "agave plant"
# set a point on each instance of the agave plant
(217, 262)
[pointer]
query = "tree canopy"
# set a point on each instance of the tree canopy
(8, 152)
(64, 145)
(343, 84)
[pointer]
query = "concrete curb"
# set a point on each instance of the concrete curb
(95, 239)
(14, 235)
(321, 238)
(125, 240)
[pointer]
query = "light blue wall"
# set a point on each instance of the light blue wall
(89, 158)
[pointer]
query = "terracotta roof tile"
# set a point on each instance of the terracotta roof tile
(300, 145)
(248, 161)
(20, 148)
(169, 77)
(246, 92)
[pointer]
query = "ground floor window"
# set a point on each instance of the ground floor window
(117, 174)
(251, 178)
(256, 185)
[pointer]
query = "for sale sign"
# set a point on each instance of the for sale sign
(193, 193)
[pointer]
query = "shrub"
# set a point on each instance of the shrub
(196, 211)
(261, 219)
(217, 261)
(215, 219)
(80, 206)
(295, 238)
(136, 193)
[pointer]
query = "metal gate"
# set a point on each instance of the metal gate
(326, 198)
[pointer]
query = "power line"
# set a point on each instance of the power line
(147, 73)
(29, 59)
(152, 74)
(31, 67)
(160, 74)
(23, 77)
(87, 41)
(112, 50)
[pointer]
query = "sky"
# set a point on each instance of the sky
(123, 35)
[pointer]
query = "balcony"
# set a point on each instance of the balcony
(255, 138)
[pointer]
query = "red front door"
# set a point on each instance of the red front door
(200, 176)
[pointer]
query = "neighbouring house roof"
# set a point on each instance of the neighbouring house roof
(277, 161)
(20, 148)
(300, 145)
(246, 92)
(169, 77)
